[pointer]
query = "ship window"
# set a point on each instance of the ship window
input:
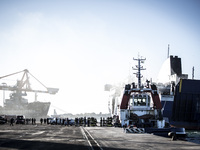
(143, 102)
(135, 102)
(131, 101)
(139, 101)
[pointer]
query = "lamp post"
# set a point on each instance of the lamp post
(4, 84)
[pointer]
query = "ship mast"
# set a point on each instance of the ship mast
(168, 52)
(139, 68)
(193, 72)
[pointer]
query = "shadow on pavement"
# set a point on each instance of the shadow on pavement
(7, 144)
(36, 145)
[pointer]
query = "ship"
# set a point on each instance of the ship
(141, 108)
(169, 76)
(140, 105)
(179, 96)
(17, 104)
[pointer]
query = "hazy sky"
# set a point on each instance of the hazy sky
(80, 45)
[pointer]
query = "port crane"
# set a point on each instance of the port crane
(24, 84)
(17, 104)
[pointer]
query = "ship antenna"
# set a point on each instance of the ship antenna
(168, 51)
(139, 68)
(193, 72)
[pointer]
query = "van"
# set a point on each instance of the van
(20, 119)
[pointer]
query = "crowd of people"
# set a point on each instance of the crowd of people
(82, 121)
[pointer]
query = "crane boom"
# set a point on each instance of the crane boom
(24, 84)
(11, 74)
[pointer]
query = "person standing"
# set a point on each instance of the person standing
(41, 120)
(45, 120)
(11, 121)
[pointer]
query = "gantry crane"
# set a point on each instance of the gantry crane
(22, 87)
(24, 84)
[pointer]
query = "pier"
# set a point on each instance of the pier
(53, 137)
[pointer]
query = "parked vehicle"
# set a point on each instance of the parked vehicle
(20, 119)
(2, 120)
(59, 121)
(55, 121)
(49, 120)
(70, 122)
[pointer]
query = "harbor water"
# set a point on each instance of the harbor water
(193, 136)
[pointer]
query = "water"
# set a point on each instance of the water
(193, 136)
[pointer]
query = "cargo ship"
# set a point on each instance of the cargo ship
(168, 77)
(180, 96)
(18, 105)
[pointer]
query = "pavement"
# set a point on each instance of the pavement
(55, 137)
(45, 137)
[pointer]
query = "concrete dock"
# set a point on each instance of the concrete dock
(51, 137)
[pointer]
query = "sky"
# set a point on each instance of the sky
(79, 46)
